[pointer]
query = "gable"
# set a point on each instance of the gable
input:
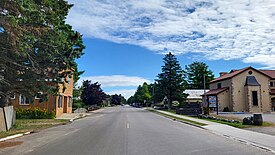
(234, 73)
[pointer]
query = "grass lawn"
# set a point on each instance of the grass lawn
(239, 125)
(32, 125)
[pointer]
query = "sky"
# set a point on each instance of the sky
(126, 39)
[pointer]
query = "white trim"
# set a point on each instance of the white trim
(25, 100)
(12, 98)
(37, 98)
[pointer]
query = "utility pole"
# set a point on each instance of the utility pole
(153, 95)
(204, 99)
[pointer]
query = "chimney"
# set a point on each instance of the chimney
(222, 73)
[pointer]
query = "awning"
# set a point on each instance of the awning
(215, 91)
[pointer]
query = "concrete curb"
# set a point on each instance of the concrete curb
(14, 136)
(243, 141)
(77, 117)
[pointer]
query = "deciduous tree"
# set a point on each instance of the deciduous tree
(92, 93)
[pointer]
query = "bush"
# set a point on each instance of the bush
(78, 104)
(226, 109)
(34, 113)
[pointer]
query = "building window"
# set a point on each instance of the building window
(219, 85)
(23, 100)
(271, 84)
(60, 98)
(69, 80)
(38, 95)
(12, 96)
(255, 98)
(70, 101)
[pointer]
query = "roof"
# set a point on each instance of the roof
(216, 91)
(270, 73)
(251, 81)
(233, 73)
(194, 93)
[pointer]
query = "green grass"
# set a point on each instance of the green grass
(178, 118)
(238, 125)
(31, 125)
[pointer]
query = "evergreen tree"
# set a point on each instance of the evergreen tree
(36, 45)
(194, 75)
(171, 82)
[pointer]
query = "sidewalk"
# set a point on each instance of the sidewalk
(72, 116)
(256, 139)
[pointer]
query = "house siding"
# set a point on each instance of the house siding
(52, 103)
(223, 100)
(241, 98)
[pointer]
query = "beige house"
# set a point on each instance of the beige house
(62, 103)
(247, 90)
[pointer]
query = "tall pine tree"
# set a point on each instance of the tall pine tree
(171, 82)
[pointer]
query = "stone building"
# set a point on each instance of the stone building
(247, 90)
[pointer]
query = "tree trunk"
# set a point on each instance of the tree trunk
(169, 102)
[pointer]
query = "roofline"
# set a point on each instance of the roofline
(244, 69)
(224, 89)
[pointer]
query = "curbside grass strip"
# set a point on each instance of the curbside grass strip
(182, 120)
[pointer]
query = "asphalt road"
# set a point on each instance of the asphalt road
(128, 131)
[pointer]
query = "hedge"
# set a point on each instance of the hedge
(34, 113)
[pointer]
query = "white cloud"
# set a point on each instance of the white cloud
(116, 80)
(268, 60)
(124, 92)
(215, 29)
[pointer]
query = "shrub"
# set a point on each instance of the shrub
(34, 113)
(226, 109)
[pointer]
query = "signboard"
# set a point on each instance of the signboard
(212, 101)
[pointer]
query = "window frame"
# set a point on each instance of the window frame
(38, 98)
(271, 83)
(219, 85)
(70, 101)
(255, 98)
(59, 101)
(12, 98)
(25, 99)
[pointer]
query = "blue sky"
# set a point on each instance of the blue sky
(126, 40)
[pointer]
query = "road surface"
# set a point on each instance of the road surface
(127, 131)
